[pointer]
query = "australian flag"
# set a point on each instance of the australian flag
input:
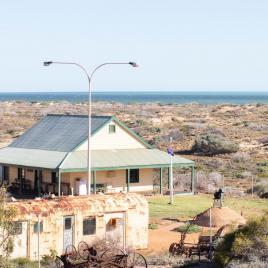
(170, 151)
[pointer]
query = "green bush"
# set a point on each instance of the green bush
(24, 262)
(191, 228)
(211, 144)
(153, 226)
(49, 259)
(249, 243)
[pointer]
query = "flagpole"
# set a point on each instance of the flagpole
(171, 180)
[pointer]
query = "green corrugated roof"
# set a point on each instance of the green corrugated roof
(116, 159)
(60, 133)
(31, 157)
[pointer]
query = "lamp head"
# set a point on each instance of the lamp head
(47, 63)
(133, 64)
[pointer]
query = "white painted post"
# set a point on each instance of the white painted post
(171, 180)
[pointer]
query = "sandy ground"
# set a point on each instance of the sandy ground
(161, 238)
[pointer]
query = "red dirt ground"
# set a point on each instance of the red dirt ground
(161, 238)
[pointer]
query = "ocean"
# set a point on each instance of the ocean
(163, 97)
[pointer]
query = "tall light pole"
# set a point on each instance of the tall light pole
(171, 154)
(89, 78)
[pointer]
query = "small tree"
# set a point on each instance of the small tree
(6, 227)
(211, 144)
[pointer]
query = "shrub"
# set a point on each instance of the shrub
(190, 228)
(49, 259)
(153, 226)
(262, 168)
(208, 182)
(211, 144)
(240, 157)
(256, 126)
(174, 133)
(24, 262)
(215, 178)
(165, 260)
(6, 225)
(261, 189)
(264, 195)
(213, 163)
(215, 131)
(246, 244)
(264, 140)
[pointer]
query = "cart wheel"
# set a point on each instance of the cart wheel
(112, 252)
(114, 255)
(136, 260)
(83, 250)
(71, 253)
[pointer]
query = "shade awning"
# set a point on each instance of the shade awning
(120, 159)
(31, 157)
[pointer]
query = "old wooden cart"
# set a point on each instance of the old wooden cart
(87, 256)
(204, 247)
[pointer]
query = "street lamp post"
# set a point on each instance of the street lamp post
(89, 78)
(171, 154)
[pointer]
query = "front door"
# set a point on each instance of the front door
(68, 230)
(20, 239)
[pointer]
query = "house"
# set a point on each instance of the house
(120, 219)
(51, 157)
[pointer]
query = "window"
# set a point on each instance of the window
(67, 223)
(17, 228)
(89, 226)
(36, 227)
(111, 129)
(134, 175)
(54, 177)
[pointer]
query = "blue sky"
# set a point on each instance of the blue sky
(180, 45)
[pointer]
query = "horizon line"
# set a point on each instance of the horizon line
(141, 91)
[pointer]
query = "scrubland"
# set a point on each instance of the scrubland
(224, 140)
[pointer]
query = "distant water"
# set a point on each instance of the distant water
(142, 97)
